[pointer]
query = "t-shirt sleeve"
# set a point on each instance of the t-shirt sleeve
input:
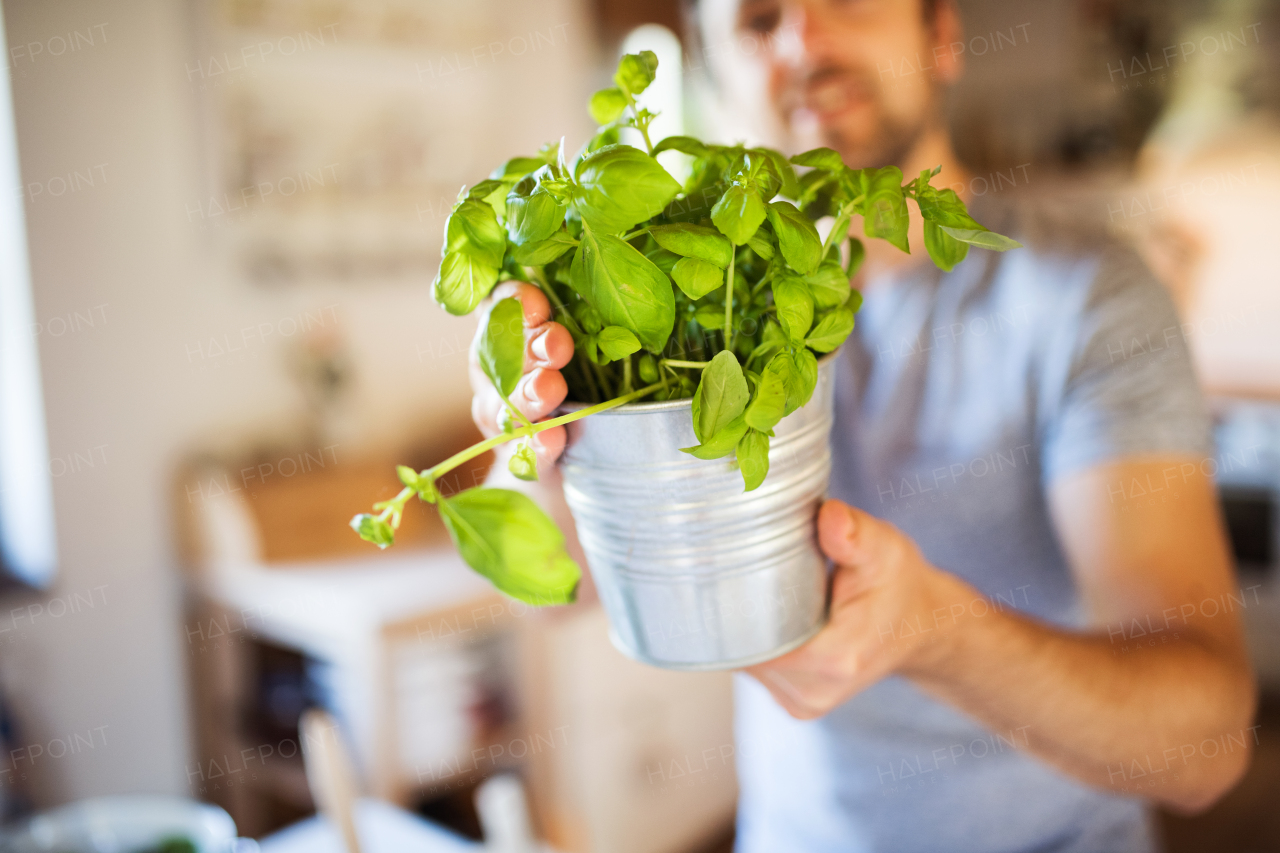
(1126, 385)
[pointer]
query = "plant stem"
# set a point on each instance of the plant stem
(634, 234)
(626, 375)
(671, 362)
(489, 444)
(728, 301)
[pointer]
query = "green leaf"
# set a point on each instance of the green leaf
(542, 252)
(885, 208)
(829, 286)
(738, 213)
(761, 245)
(807, 369)
(797, 238)
(617, 342)
(625, 287)
(722, 443)
(648, 368)
(721, 396)
(795, 306)
(473, 229)
(662, 259)
(832, 330)
(486, 188)
(696, 277)
(524, 463)
(684, 144)
(769, 403)
(532, 216)
(501, 350)
(606, 105)
(944, 207)
(694, 241)
(820, 158)
(373, 529)
(588, 318)
(710, 317)
(636, 71)
(857, 254)
(422, 485)
(619, 186)
(945, 250)
(463, 281)
(753, 458)
(983, 239)
(504, 536)
(517, 167)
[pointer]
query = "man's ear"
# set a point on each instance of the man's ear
(948, 41)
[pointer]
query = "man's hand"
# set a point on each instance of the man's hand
(548, 347)
(881, 582)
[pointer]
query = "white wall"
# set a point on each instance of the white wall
(126, 394)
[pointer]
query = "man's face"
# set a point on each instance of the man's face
(840, 73)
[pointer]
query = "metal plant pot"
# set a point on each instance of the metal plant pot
(695, 573)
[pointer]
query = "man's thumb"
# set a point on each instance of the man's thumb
(840, 528)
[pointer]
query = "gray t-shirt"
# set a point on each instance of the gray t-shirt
(960, 398)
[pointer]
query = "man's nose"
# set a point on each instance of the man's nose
(805, 33)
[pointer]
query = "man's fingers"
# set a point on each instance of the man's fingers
(550, 345)
(539, 393)
(850, 536)
(537, 310)
(549, 444)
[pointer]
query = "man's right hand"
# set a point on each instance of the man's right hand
(548, 347)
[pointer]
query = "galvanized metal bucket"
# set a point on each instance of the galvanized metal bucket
(695, 573)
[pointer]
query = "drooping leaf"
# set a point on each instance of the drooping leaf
(501, 349)
(615, 342)
(696, 277)
(722, 443)
(738, 213)
(797, 238)
(885, 208)
(506, 537)
(619, 186)
(753, 458)
(606, 105)
(795, 306)
(694, 241)
(625, 287)
(945, 250)
(807, 370)
(721, 396)
(769, 403)
(542, 252)
(831, 331)
(462, 282)
(983, 239)
(523, 464)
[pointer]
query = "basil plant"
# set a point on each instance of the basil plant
(721, 290)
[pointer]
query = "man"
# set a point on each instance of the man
(1019, 653)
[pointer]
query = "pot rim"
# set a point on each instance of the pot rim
(662, 405)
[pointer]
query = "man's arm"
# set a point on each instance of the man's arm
(1169, 695)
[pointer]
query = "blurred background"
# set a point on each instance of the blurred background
(233, 211)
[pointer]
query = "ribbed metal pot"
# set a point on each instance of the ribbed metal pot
(695, 573)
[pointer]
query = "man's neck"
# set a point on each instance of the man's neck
(932, 149)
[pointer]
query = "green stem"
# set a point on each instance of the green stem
(634, 234)
(671, 362)
(626, 374)
(520, 416)
(728, 302)
(489, 444)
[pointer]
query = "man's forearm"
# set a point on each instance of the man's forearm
(1166, 722)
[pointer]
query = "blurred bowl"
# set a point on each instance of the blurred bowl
(128, 824)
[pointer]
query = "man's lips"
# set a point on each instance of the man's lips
(830, 99)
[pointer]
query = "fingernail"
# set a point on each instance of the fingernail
(529, 393)
(538, 346)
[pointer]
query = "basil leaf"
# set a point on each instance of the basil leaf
(501, 349)
(722, 443)
(524, 464)
(770, 401)
(588, 318)
(625, 287)
(648, 368)
(760, 244)
(944, 207)
(541, 252)
(606, 105)
(616, 342)
(983, 239)
(504, 536)
(462, 282)
(820, 158)
(619, 186)
(753, 458)
(857, 254)
(694, 241)
(832, 330)
(683, 144)
(373, 529)
(662, 259)
(797, 238)
(710, 317)
(885, 208)
(721, 396)
(807, 378)
(473, 229)
(486, 188)
(697, 278)
(534, 217)
(517, 167)
(635, 71)
(795, 306)
(829, 286)
(738, 213)
(945, 250)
